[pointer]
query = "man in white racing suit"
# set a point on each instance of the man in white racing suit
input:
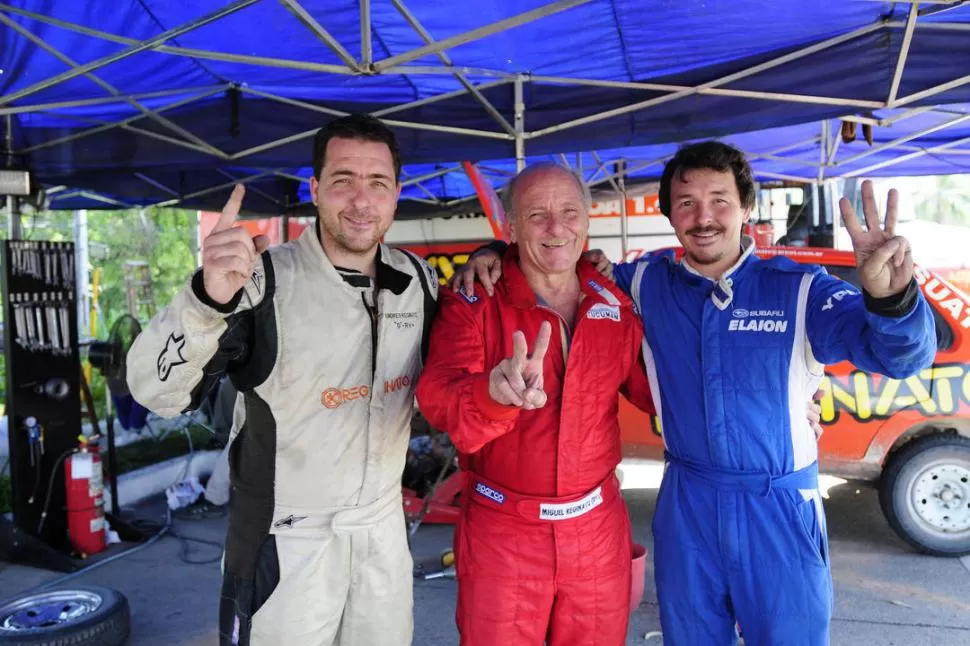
(324, 337)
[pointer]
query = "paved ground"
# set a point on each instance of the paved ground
(886, 595)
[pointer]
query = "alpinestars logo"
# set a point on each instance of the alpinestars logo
(170, 356)
(289, 521)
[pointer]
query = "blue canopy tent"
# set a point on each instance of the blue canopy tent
(153, 102)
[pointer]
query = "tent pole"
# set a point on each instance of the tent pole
(366, 50)
(13, 217)
(213, 189)
(438, 97)
(426, 37)
(903, 52)
(110, 89)
(815, 209)
(624, 223)
(907, 138)
(784, 97)
(823, 151)
(724, 80)
(41, 107)
(905, 158)
(144, 45)
(120, 124)
(519, 125)
(308, 21)
(933, 91)
(477, 34)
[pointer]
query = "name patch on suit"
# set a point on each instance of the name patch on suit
(566, 510)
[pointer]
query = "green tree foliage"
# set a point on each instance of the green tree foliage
(944, 199)
(164, 238)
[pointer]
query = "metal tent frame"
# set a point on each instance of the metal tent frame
(819, 155)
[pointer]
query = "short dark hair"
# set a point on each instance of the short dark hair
(714, 155)
(355, 126)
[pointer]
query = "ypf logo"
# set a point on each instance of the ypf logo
(334, 397)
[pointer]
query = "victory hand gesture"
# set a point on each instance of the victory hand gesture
(229, 255)
(884, 260)
(517, 380)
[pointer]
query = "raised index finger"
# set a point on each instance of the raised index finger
(542, 342)
(231, 210)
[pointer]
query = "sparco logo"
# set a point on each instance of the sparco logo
(488, 492)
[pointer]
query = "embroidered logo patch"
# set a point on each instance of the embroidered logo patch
(603, 311)
(490, 493)
(464, 294)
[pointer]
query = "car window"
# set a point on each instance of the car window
(944, 333)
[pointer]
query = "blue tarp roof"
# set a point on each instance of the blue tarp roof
(259, 72)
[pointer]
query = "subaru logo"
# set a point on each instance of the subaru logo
(740, 313)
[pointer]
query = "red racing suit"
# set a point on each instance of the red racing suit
(543, 544)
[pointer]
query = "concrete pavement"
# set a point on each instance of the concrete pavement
(885, 593)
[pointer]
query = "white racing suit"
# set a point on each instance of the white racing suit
(316, 551)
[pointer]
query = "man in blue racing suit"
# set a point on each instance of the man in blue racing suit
(739, 344)
(734, 346)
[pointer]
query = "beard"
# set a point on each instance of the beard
(705, 256)
(346, 237)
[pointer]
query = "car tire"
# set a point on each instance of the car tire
(75, 616)
(925, 494)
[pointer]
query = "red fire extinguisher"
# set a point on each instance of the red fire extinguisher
(85, 498)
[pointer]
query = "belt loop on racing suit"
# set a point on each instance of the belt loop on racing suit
(493, 496)
(754, 482)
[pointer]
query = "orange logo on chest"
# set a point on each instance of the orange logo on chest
(334, 397)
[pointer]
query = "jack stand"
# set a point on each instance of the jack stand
(17, 546)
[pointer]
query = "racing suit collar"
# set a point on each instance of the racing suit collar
(723, 293)
(389, 278)
(591, 282)
(747, 248)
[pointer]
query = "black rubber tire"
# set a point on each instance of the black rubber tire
(108, 625)
(903, 467)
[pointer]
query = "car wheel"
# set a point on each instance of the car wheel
(925, 494)
(79, 616)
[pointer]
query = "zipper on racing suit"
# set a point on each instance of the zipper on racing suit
(372, 311)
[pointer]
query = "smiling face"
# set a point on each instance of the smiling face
(550, 219)
(356, 194)
(707, 215)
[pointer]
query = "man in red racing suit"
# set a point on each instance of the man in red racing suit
(543, 544)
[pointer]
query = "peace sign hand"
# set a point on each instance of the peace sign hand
(884, 260)
(229, 255)
(517, 380)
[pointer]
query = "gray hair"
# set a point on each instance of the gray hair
(508, 194)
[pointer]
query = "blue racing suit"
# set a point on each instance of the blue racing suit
(739, 529)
